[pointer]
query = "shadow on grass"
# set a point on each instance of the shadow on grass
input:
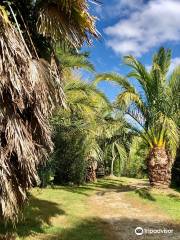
(145, 194)
(87, 189)
(114, 229)
(174, 196)
(86, 229)
(100, 185)
(36, 214)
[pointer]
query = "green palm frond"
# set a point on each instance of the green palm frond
(89, 91)
(174, 90)
(171, 136)
(122, 151)
(116, 78)
(125, 99)
(162, 60)
(139, 72)
(69, 60)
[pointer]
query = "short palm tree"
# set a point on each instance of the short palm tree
(115, 134)
(153, 103)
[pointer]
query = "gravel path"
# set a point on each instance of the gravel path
(123, 215)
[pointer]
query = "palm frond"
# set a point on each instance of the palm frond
(139, 73)
(162, 60)
(87, 90)
(69, 60)
(171, 136)
(116, 78)
(29, 91)
(67, 20)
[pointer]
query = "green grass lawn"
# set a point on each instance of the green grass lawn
(166, 202)
(64, 213)
(59, 213)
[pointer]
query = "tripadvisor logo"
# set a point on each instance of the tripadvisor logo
(140, 231)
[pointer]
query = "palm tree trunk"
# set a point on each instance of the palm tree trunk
(91, 170)
(112, 167)
(159, 168)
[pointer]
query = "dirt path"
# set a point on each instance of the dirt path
(123, 215)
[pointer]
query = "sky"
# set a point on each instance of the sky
(137, 27)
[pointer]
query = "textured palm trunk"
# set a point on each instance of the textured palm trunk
(91, 171)
(159, 168)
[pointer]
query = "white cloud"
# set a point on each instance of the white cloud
(116, 8)
(122, 7)
(155, 23)
(131, 4)
(174, 63)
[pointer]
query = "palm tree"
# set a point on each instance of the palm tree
(114, 136)
(67, 21)
(31, 88)
(153, 105)
(90, 114)
(80, 120)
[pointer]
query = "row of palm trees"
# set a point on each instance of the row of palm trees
(153, 108)
(33, 86)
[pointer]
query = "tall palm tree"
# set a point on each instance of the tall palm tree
(153, 103)
(30, 87)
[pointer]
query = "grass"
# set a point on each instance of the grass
(63, 213)
(60, 213)
(166, 202)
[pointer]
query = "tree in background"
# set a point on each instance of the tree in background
(76, 140)
(115, 136)
(31, 86)
(155, 108)
(136, 166)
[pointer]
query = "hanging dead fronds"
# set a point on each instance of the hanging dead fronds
(29, 91)
(68, 21)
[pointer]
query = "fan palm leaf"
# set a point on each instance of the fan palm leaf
(66, 20)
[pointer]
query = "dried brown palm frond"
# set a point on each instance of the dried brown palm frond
(29, 91)
(67, 21)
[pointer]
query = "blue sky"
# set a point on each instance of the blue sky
(137, 27)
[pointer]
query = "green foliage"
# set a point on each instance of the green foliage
(155, 105)
(72, 59)
(46, 172)
(69, 154)
(152, 104)
(136, 165)
(76, 131)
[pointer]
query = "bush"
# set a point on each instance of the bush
(136, 165)
(69, 157)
